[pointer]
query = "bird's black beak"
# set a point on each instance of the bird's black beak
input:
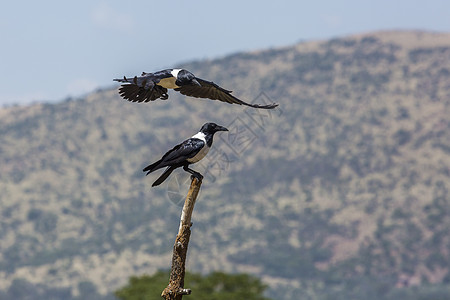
(221, 128)
(194, 81)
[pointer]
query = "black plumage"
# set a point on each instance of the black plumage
(152, 86)
(188, 152)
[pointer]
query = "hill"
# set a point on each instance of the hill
(344, 187)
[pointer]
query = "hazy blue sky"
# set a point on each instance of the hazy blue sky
(54, 49)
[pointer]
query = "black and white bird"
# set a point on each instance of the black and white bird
(152, 86)
(188, 152)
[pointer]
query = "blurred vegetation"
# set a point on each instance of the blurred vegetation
(341, 192)
(215, 286)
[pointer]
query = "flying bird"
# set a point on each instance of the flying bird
(188, 152)
(152, 86)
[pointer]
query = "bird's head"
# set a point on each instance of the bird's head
(184, 77)
(211, 128)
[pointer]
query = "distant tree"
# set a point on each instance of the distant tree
(215, 286)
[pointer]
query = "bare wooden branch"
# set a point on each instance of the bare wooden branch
(175, 290)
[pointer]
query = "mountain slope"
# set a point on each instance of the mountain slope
(348, 179)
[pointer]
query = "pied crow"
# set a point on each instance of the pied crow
(188, 152)
(152, 86)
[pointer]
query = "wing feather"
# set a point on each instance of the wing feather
(188, 149)
(141, 89)
(210, 90)
(177, 155)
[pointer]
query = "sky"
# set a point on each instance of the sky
(52, 50)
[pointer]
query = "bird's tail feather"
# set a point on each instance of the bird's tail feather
(164, 176)
(152, 167)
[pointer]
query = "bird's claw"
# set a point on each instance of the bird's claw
(197, 176)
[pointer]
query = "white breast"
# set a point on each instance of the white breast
(199, 156)
(202, 153)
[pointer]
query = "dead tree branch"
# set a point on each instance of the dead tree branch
(175, 290)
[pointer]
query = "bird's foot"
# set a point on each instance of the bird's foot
(198, 176)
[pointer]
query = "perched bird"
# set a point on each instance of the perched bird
(188, 152)
(152, 86)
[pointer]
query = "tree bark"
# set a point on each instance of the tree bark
(175, 290)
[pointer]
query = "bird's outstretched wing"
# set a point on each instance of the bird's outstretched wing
(178, 155)
(210, 90)
(141, 89)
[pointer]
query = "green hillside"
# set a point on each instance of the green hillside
(342, 190)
